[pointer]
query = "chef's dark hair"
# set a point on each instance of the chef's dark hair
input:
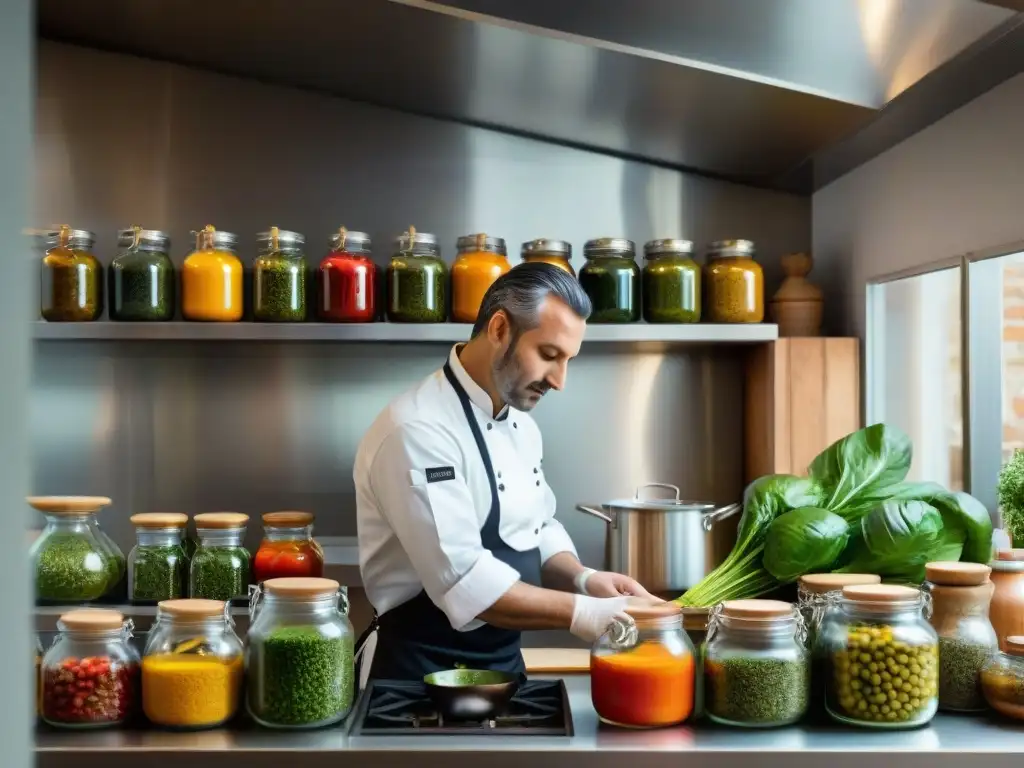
(521, 291)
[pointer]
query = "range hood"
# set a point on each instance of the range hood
(773, 93)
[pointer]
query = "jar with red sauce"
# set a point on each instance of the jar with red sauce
(90, 675)
(642, 671)
(347, 279)
(288, 548)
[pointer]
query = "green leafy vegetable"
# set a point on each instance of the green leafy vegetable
(861, 465)
(897, 539)
(1011, 497)
(805, 540)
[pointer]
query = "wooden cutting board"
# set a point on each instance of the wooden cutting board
(557, 660)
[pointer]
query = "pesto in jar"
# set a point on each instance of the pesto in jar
(417, 281)
(671, 282)
(611, 279)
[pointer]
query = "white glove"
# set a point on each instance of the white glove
(580, 582)
(591, 616)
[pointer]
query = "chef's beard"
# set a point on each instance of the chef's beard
(513, 386)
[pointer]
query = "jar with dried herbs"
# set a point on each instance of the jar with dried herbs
(1002, 679)
(348, 280)
(141, 277)
(71, 279)
(671, 282)
(193, 666)
(220, 566)
(157, 564)
(481, 260)
(733, 283)
(279, 277)
(211, 279)
(557, 253)
(417, 280)
(611, 278)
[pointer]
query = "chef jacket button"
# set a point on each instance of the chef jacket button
(536, 531)
(538, 482)
(514, 425)
(499, 474)
(501, 487)
(490, 426)
(535, 470)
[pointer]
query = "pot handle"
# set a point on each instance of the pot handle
(667, 486)
(719, 514)
(596, 513)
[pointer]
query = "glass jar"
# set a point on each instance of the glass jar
(733, 283)
(38, 667)
(193, 665)
(90, 674)
(417, 280)
(220, 566)
(157, 565)
(288, 548)
(960, 595)
(211, 279)
(671, 282)
(756, 665)
(642, 672)
(557, 253)
(301, 670)
(1002, 679)
(72, 559)
(279, 277)
(141, 277)
(348, 280)
(480, 261)
(884, 658)
(71, 279)
(695, 622)
(1007, 611)
(611, 278)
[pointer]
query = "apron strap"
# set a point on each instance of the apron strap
(364, 649)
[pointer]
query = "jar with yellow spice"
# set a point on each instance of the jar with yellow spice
(71, 279)
(733, 283)
(558, 253)
(211, 279)
(481, 260)
(192, 667)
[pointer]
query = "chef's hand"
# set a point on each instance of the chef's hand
(609, 584)
(591, 616)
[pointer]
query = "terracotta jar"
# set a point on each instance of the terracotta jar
(1007, 612)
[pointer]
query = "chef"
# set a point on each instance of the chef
(459, 548)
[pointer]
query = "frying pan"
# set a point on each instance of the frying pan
(471, 694)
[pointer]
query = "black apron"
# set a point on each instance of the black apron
(416, 638)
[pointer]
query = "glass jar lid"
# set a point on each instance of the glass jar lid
(75, 239)
(159, 520)
(149, 239)
(411, 241)
(300, 587)
(548, 247)
(210, 239)
(287, 519)
(279, 239)
(822, 583)
(91, 621)
(350, 241)
(481, 242)
(731, 249)
(654, 249)
(609, 246)
(189, 609)
(68, 506)
(221, 520)
(957, 574)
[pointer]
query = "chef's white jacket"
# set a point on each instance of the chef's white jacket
(415, 534)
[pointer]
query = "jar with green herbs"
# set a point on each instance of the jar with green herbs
(73, 561)
(417, 280)
(733, 283)
(960, 595)
(157, 564)
(220, 565)
(301, 671)
(71, 279)
(884, 658)
(1002, 679)
(671, 282)
(141, 277)
(279, 277)
(611, 278)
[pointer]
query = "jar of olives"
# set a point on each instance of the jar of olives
(884, 658)
(557, 253)
(611, 279)
(279, 277)
(733, 283)
(71, 278)
(671, 282)
(417, 280)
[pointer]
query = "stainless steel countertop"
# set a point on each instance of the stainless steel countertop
(977, 742)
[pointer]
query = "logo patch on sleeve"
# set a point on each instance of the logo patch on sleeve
(440, 474)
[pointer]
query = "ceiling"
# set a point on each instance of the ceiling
(775, 93)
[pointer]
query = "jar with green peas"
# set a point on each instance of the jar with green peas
(883, 656)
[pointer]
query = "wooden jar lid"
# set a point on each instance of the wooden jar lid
(820, 583)
(756, 609)
(299, 587)
(92, 620)
(192, 608)
(881, 593)
(221, 520)
(287, 519)
(159, 520)
(957, 574)
(69, 505)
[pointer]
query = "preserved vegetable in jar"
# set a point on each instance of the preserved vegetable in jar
(884, 658)
(961, 593)
(481, 260)
(279, 277)
(642, 672)
(193, 665)
(558, 253)
(348, 280)
(756, 666)
(141, 277)
(1002, 679)
(72, 559)
(211, 279)
(90, 675)
(611, 279)
(417, 280)
(157, 564)
(288, 548)
(671, 282)
(220, 566)
(301, 671)
(71, 277)
(733, 283)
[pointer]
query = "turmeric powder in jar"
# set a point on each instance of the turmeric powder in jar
(558, 253)
(211, 279)
(481, 260)
(733, 283)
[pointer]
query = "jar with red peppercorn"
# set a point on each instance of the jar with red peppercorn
(288, 548)
(90, 674)
(347, 280)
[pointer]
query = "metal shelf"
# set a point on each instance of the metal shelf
(700, 333)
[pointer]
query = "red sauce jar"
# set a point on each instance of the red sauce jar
(346, 284)
(288, 548)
